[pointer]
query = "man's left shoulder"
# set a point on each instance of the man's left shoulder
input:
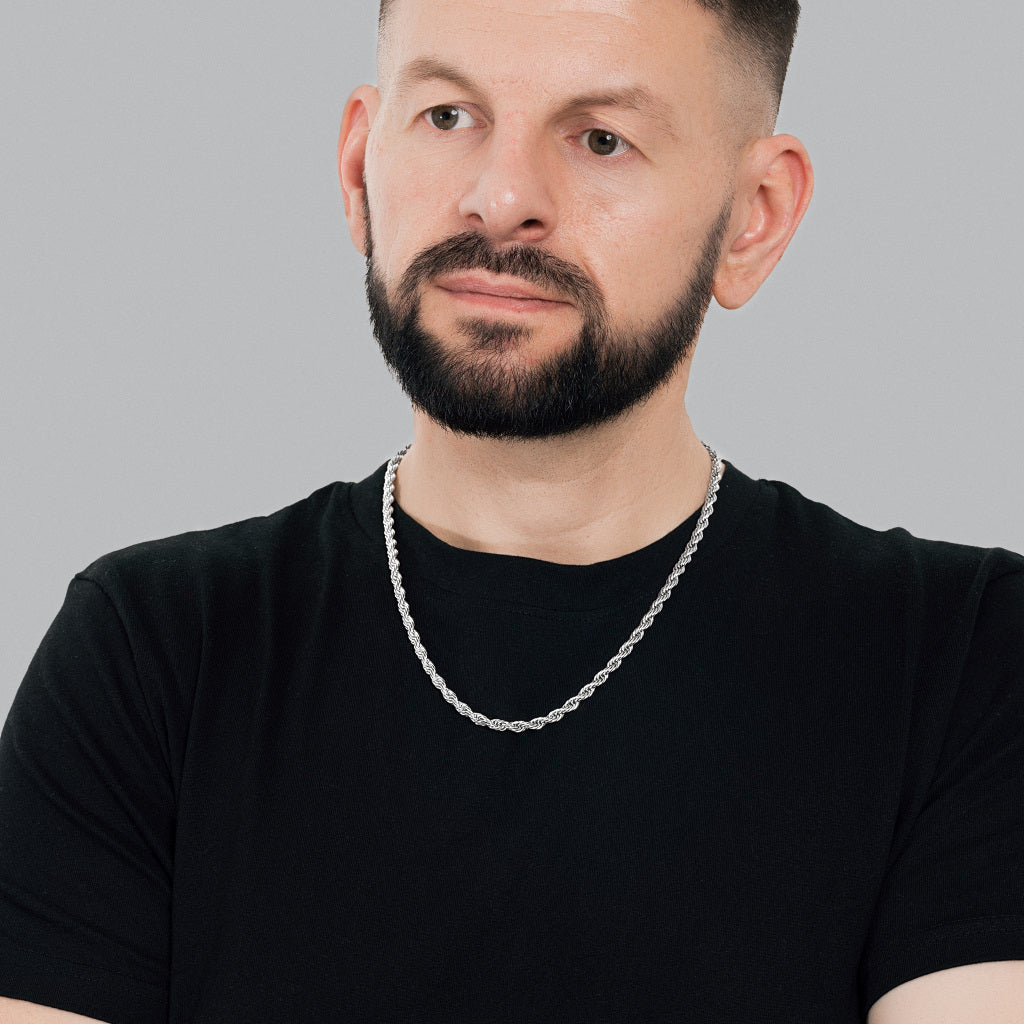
(858, 555)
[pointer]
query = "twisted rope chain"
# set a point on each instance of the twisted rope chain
(499, 724)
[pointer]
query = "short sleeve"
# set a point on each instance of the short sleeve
(954, 891)
(86, 825)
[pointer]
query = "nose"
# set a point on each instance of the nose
(510, 196)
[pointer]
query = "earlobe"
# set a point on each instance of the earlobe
(775, 187)
(352, 144)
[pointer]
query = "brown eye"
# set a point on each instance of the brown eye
(448, 117)
(605, 143)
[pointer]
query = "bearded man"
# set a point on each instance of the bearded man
(554, 717)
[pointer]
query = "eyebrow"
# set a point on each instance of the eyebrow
(635, 97)
(430, 69)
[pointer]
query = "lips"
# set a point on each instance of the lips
(486, 288)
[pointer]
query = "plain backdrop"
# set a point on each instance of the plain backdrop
(184, 334)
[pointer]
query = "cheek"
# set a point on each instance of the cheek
(414, 214)
(640, 258)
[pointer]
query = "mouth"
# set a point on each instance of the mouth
(502, 294)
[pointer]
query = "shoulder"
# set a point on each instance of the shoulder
(811, 536)
(935, 627)
(230, 562)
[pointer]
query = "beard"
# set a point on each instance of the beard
(605, 371)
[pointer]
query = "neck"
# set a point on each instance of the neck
(578, 499)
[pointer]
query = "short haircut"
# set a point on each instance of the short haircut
(758, 36)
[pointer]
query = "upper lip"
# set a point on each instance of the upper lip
(503, 287)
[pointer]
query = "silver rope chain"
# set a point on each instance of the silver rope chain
(499, 724)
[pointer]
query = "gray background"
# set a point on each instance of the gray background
(184, 338)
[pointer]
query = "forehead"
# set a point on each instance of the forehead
(665, 45)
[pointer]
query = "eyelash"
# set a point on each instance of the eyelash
(622, 147)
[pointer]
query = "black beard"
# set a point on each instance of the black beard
(602, 374)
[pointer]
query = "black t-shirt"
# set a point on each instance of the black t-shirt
(229, 792)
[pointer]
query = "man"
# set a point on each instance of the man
(555, 717)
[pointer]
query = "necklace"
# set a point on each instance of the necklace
(499, 724)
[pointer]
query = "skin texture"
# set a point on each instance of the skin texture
(533, 79)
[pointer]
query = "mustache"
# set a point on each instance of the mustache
(473, 251)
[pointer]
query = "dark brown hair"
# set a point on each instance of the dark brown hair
(759, 35)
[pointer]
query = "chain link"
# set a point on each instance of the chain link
(499, 724)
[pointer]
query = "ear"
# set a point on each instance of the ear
(775, 183)
(355, 133)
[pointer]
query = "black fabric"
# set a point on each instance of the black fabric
(228, 792)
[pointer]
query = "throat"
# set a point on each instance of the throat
(577, 515)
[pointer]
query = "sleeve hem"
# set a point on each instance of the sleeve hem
(90, 991)
(985, 940)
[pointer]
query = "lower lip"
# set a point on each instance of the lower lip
(505, 303)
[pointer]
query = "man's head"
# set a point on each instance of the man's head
(550, 191)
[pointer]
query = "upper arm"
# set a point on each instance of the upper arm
(952, 891)
(975, 994)
(15, 1011)
(88, 817)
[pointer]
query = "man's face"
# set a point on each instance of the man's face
(549, 188)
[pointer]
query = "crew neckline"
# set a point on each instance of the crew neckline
(525, 581)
